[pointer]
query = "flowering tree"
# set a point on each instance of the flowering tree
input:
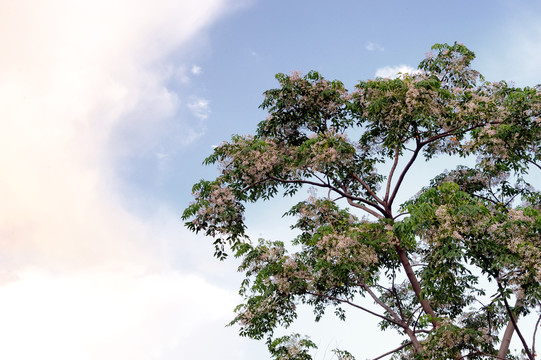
(453, 270)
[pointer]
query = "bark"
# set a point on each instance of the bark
(416, 344)
(512, 318)
(508, 334)
(415, 284)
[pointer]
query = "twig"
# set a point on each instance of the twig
(355, 306)
(534, 163)
(393, 351)
(333, 188)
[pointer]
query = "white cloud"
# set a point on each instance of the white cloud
(393, 71)
(196, 70)
(100, 314)
(66, 87)
(81, 277)
(255, 55)
(199, 107)
(371, 46)
(180, 74)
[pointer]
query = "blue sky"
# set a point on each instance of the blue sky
(107, 109)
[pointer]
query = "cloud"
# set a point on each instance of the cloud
(371, 46)
(81, 276)
(196, 70)
(67, 87)
(199, 107)
(255, 55)
(97, 314)
(393, 71)
(181, 73)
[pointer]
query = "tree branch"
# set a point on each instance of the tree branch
(383, 305)
(535, 333)
(368, 210)
(455, 132)
(534, 163)
(253, 184)
(484, 354)
(368, 189)
(398, 302)
(355, 306)
(512, 317)
(508, 334)
(427, 308)
(393, 351)
(314, 174)
(403, 174)
(391, 173)
(398, 322)
(409, 319)
(403, 324)
(401, 214)
(338, 191)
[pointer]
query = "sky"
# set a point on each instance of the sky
(107, 109)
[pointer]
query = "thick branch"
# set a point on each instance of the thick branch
(415, 284)
(535, 333)
(368, 210)
(508, 334)
(383, 305)
(368, 189)
(391, 173)
(512, 317)
(403, 174)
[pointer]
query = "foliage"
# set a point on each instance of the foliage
(426, 263)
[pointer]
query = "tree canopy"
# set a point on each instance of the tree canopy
(453, 270)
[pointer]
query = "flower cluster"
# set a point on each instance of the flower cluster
(292, 347)
(451, 341)
(220, 203)
(339, 248)
(250, 159)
